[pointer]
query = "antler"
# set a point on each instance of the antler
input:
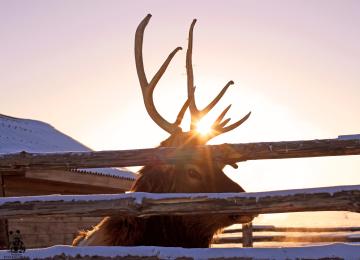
(148, 88)
(218, 126)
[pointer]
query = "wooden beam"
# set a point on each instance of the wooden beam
(292, 239)
(225, 153)
(341, 198)
(260, 228)
(21, 186)
(81, 178)
(4, 238)
(247, 235)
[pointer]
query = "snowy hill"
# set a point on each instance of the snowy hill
(34, 136)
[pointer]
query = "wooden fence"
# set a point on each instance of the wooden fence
(165, 155)
(341, 198)
(252, 234)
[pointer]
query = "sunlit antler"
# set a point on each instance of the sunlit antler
(197, 114)
(148, 88)
(218, 126)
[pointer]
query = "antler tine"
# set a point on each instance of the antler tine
(216, 99)
(190, 78)
(221, 125)
(181, 113)
(139, 36)
(220, 118)
(197, 114)
(236, 124)
(220, 128)
(148, 88)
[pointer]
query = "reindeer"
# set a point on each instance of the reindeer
(196, 175)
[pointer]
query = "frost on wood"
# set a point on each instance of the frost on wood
(349, 137)
(341, 198)
(332, 251)
(165, 155)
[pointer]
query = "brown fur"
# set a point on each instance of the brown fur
(182, 231)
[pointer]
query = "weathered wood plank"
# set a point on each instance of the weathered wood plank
(57, 219)
(247, 235)
(335, 251)
(225, 152)
(32, 228)
(81, 178)
(294, 229)
(341, 198)
(288, 239)
(4, 239)
(21, 186)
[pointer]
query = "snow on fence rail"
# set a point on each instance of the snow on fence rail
(339, 198)
(223, 152)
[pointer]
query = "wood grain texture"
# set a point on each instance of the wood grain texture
(247, 235)
(344, 198)
(288, 238)
(22, 186)
(294, 229)
(81, 178)
(165, 155)
(4, 239)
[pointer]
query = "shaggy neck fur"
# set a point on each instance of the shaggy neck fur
(178, 231)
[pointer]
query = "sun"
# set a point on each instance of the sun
(203, 127)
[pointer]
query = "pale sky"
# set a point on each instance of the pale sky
(295, 65)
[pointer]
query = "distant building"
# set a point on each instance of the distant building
(18, 135)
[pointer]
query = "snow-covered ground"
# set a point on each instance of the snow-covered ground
(331, 251)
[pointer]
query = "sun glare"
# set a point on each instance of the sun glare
(203, 127)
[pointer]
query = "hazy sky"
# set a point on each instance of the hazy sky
(295, 65)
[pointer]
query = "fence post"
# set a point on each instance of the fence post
(247, 235)
(4, 239)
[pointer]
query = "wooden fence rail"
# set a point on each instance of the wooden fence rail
(224, 152)
(250, 234)
(285, 238)
(340, 198)
(260, 228)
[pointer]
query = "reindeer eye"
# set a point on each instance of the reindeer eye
(194, 174)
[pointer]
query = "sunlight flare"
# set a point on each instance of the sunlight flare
(203, 127)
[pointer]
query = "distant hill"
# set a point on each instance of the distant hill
(17, 134)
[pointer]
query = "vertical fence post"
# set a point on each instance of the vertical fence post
(4, 239)
(247, 235)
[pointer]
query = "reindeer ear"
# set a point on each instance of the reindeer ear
(222, 165)
(234, 165)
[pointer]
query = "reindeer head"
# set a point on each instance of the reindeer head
(197, 175)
